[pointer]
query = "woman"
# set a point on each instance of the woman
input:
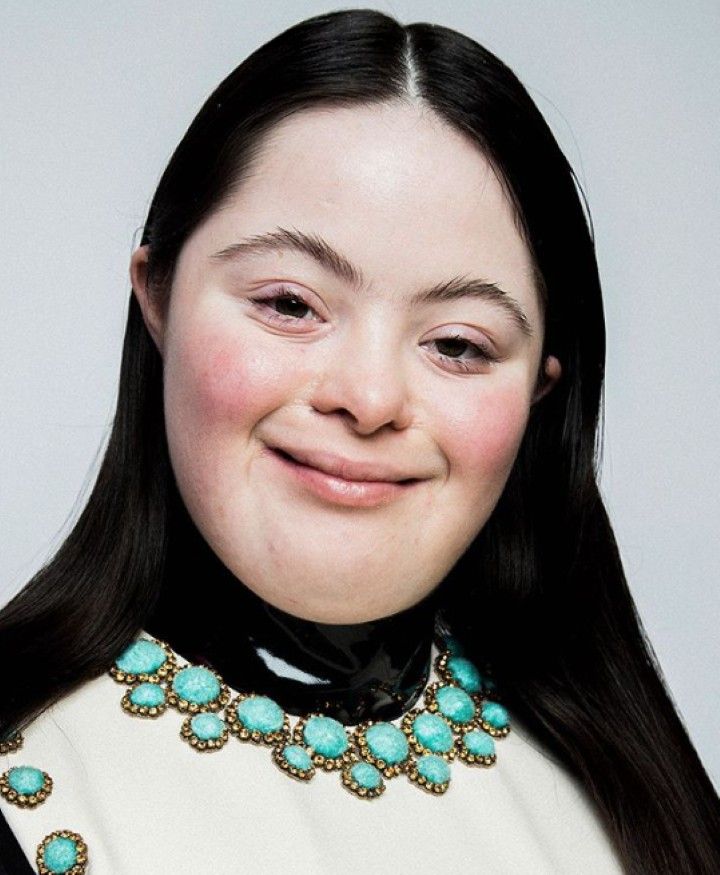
(349, 509)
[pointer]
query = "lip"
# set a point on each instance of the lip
(346, 469)
(339, 490)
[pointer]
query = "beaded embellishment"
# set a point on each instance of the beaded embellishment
(458, 720)
(62, 852)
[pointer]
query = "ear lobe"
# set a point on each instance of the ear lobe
(552, 372)
(138, 279)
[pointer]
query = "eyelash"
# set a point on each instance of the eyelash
(483, 353)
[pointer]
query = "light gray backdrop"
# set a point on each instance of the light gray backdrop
(93, 99)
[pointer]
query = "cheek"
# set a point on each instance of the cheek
(483, 438)
(214, 382)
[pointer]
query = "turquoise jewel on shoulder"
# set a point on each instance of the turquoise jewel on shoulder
(494, 718)
(364, 780)
(197, 688)
(383, 745)
(144, 660)
(326, 738)
(261, 713)
(453, 703)
(25, 779)
(145, 700)
(62, 851)
(477, 747)
(465, 674)
(431, 772)
(294, 760)
(25, 786)
(257, 718)
(204, 731)
(429, 733)
(141, 657)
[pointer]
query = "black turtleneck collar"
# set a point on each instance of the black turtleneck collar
(353, 672)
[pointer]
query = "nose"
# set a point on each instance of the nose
(365, 381)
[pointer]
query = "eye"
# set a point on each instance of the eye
(480, 354)
(283, 299)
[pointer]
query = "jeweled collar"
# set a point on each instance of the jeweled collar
(374, 670)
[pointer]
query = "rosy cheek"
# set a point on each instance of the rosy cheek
(486, 438)
(226, 383)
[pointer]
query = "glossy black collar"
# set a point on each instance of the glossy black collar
(374, 670)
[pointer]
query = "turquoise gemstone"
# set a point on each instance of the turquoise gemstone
(464, 673)
(433, 732)
(297, 757)
(60, 854)
(25, 780)
(147, 695)
(366, 776)
(141, 657)
(433, 768)
(455, 704)
(207, 727)
(326, 736)
(261, 714)
(196, 684)
(494, 714)
(479, 743)
(386, 742)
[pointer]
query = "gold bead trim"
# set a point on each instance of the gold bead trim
(180, 704)
(202, 744)
(360, 740)
(163, 673)
(143, 710)
(417, 778)
(81, 848)
(360, 791)
(417, 746)
(10, 745)
(238, 728)
(323, 762)
(282, 763)
(22, 800)
(432, 705)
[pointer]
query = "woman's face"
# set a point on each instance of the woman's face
(352, 366)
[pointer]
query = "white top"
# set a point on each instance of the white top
(146, 803)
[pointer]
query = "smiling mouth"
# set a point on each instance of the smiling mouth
(285, 455)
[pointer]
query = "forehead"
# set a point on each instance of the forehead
(407, 197)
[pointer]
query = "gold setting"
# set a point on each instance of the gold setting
(202, 744)
(238, 728)
(22, 800)
(431, 704)
(357, 749)
(176, 701)
(143, 710)
(81, 849)
(282, 763)
(164, 672)
(429, 786)
(358, 789)
(472, 759)
(360, 741)
(11, 744)
(327, 763)
(415, 744)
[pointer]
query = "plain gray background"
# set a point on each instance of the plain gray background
(94, 98)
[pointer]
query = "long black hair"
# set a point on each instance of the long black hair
(541, 589)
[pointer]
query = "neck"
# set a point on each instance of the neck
(352, 672)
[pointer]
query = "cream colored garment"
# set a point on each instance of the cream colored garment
(146, 803)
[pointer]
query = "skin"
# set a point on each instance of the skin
(364, 373)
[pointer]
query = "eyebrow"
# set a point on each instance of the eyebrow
(315, 247)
